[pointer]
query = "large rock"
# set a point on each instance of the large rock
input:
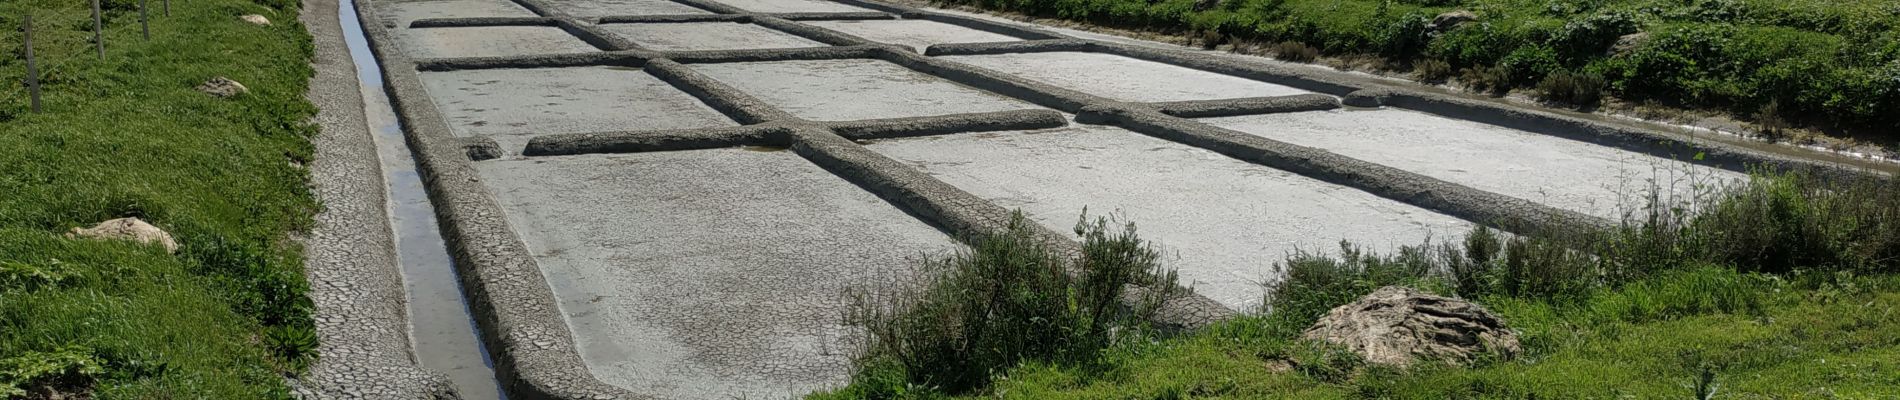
(255, 19)
(1628, 43)
(1451, 19)
(132, 229)
(1398, 325)
(223, 87)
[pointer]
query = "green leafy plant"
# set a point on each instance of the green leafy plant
(1012, 298)
(67, 370)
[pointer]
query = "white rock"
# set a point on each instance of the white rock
(132, 229)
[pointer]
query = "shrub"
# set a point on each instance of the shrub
(1528, 65)
(1295, 52)
(1781, 222)
(1433, 70)
(1010, 299)
(1584, 39)
(1486, 79)
(1577, 89)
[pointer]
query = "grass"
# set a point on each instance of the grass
(1828, 63)
(127, 136)
(1809, 340)
(1787, 286)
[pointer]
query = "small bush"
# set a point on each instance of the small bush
(1577, 89)
(1782, 222)
(1295, 52)
(1486, 79)
(1010, 299)
(1773, 127)
(1433, 70)
(1314, 283)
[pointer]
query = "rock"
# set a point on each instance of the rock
(223, 87)
(1627, 43)
(132, 229)
(1451, 19)
(1398, 325)
(255, 19)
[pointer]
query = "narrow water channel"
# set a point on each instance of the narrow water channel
(441, 327)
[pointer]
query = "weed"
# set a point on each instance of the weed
(1582, 90)
(1295, 52)
(1773, 127)
(1433, 70)
(1496, 81)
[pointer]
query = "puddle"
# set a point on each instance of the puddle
(442, 330)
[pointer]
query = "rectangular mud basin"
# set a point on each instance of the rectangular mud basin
(511, 105)
(708, 36)
(602, 8)
(398, 14)
(710, 274)
(915, 33)
(845, 90)
(489, 41)
(791, 6)
(1124, 79)
(1583, 177)
(1222, 222)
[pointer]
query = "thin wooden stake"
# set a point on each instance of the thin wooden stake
(168, 8)
(32, 72)
(98, 31)
(144, 23)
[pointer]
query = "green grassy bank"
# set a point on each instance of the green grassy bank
(1787, 286)
(1817, 62)
(127, 136)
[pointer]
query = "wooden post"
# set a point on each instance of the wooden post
(168, 8)
(144, 23)
(32, 73)
(98, 31)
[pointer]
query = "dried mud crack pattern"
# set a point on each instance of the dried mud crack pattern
(350, 256)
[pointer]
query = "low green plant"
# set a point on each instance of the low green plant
(24, 276)
(1577, 89)
(1010, 299)
(67, 371)
(1433, 70)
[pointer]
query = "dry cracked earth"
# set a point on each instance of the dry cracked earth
(669, 198)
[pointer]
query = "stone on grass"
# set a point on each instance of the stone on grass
(1397, 326)
(1451, 19)
(1627, 43)
(223, 87)
(255, 19)
(130, 228)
